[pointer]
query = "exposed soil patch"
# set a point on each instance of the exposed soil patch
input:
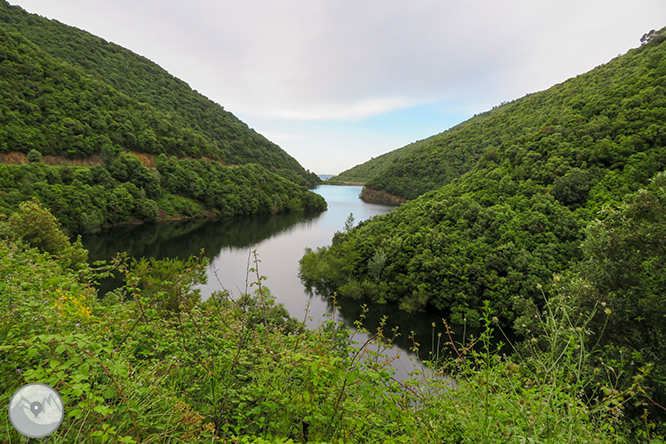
(95, 159)
(13, 158)
(380, 197)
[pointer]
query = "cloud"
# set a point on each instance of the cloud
(345, 59)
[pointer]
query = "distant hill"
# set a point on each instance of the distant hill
(501, 201)
(161, 113)
(360, 174)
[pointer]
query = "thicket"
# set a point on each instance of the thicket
(152, 363)
(122, 190)
(618, 287)
(67, 92)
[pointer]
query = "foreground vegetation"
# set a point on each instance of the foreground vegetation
(152, 363)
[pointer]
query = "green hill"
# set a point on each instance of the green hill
(55, 105)
(593, 114)
(505, 196)
(175, 118)
(360, 174)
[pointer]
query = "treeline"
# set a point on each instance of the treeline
(122, 190)
(67, 92)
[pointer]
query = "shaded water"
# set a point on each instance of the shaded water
(280, 241)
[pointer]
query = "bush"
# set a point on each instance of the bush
(34, 156)
(36, 226)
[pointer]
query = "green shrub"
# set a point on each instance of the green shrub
(34, 156)
(36, 226)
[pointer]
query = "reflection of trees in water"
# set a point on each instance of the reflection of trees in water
(187, 238)
(350, 310)
(183, 239)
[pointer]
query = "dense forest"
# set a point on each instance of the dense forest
(121, 190)
(94, 78)
(565, 182)
(151, 362)
(54, 104)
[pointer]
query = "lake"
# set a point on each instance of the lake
(279, 241)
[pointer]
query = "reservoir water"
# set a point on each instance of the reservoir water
(279, 241)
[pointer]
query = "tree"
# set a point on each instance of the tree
(622, 279)
(349, 223)
(36, 226)
(34, 156)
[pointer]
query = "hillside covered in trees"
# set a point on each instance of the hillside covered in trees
(597, 120)
(507, 194)
(553, 204)
(69, 94)
(176, 119)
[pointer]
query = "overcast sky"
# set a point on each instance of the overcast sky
(336, 82)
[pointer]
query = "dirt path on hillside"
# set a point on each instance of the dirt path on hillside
(96, 159)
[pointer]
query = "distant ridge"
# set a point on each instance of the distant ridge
(361, 173)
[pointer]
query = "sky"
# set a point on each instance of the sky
(337, 82)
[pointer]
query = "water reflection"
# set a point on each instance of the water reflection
(279, 241)
(424, 328)
(186, 238)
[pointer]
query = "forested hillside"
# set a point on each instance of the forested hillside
(374, 167)
(177, 119)
(55, 104)
(561, 212)
(595, 121)
(123, 190)
(522, 182)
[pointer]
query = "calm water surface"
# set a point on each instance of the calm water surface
(279, 241)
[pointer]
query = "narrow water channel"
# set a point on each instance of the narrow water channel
(279, 241)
